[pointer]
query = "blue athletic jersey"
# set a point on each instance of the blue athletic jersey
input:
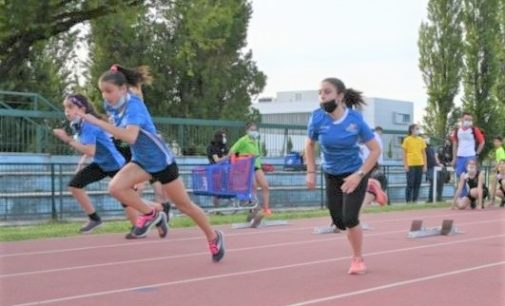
(106, 156)
(148, 150)
(339, 139)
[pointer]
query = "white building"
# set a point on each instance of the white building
(294, 108)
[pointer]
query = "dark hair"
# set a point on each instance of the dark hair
(411, 128)
(498, 138)
(351, 97)
(218, 137)
(249, 124)
(120, 76)
(466, 114)
(379, 129)
(82, 102)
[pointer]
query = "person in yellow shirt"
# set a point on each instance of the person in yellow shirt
(414, 162)
(500, 151)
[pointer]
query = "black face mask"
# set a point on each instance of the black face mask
(329, 106)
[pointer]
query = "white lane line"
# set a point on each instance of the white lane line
(247, 272)
(397, 284)
(170, 240)
(148, 259)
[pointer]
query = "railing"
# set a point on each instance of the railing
(26, 121)
(39, 190)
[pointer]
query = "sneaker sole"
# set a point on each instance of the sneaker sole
(163, 223)
(220, 255)
(91, 230)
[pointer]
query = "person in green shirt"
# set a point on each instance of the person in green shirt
(249, 144)
(500, 151)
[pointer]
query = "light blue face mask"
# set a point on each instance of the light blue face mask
(119, 103)
(253, 134)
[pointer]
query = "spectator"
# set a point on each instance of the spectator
(431, 162)
(414, 161)
(477, 191)
(468, 141)
(217, 150)
(500, 151)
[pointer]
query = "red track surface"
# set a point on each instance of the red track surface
(271, 266)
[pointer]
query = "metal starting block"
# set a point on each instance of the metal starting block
(255, 220)
(333, 229)
(418, 231)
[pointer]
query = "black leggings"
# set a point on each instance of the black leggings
(344, 207)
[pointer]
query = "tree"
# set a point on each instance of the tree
(117, 39)
(194, 49)
(440, 61)
(45, 71)
(24, 23)
(480, 19)
(500, 84)
(213, 78)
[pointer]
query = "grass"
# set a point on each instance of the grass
(67, 229)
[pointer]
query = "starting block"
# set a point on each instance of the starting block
(418, 231)
(255, 220)
(333, 229)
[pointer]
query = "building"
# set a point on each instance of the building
(294, 108)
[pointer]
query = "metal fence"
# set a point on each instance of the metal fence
(39, 191)
(27, 120)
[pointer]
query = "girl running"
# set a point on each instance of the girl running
(339, 129)
(90, 141)
(473, 180)
(151, 158)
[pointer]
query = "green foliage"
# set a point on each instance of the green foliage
(481, 64)
(24, 24)
(440, 61)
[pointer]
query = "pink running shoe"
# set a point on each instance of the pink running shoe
(145, 222)
(267, 212)
(374, 188)
(357, 266)
(216, 247)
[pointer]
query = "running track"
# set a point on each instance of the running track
(271, 266)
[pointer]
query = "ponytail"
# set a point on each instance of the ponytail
(352, 98)
(120, 76)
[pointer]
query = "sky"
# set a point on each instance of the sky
(371, 45)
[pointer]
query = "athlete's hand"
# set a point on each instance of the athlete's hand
(351, 182)
(310, 180)
(61, 134)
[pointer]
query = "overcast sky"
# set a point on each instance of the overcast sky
(370, 45)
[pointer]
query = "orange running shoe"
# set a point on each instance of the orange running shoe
(357, 266)
(374, 187)
(267, 212)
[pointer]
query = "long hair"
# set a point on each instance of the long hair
(120, 76)
(352, 98)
